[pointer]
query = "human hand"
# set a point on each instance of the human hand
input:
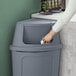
(48, 37)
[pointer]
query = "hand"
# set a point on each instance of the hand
(48, 37)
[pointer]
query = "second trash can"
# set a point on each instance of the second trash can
(29, 57)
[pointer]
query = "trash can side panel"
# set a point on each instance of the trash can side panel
(18, 35)
(16, 63)
(55, 63)
(35, 64)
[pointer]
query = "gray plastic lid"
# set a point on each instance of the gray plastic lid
(28, 34)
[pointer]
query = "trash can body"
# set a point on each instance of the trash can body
(29, 57)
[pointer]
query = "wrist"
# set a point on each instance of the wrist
(52, 32)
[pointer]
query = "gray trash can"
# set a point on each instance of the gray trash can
(29, 57)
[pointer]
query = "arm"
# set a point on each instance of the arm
(66, 16)
(62, 21)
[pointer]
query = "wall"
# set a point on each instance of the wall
(12, 11)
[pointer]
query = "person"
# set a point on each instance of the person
(68, 37)
(62, 21)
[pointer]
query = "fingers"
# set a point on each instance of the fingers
(45, 41)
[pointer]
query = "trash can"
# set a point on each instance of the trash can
(29, 57)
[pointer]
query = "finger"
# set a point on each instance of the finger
(44, 40)
(47, 41)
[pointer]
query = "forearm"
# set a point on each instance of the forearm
(52, 33)
(65, 17)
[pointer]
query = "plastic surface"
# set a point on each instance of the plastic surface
(29, 57)
(35, 63)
